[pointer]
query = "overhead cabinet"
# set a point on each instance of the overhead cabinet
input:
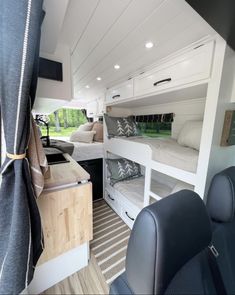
(192, 66)
(121, 91)
(101, 107)
(92, 108)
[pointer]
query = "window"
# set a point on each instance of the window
(62, 123)
(155, 129)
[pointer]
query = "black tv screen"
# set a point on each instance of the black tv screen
(50, 69)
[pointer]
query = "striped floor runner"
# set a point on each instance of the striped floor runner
(110, 241)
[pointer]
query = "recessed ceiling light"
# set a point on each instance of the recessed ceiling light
(116, 67)
(98, 78)
(149, 45)
(87, 86)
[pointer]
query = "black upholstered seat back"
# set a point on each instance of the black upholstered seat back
(221, 196)
(221, 207)
(165, 236)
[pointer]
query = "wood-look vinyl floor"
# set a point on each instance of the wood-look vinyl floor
(110, 241)
(87, 281)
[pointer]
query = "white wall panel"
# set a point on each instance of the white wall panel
(57, 89)
(77, 18)
(183, 110)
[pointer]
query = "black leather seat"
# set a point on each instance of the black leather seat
(167, 249)
(221, 208)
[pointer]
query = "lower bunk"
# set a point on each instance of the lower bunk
(126, 197)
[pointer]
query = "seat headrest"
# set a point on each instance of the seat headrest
(221, 197)
(164, 237)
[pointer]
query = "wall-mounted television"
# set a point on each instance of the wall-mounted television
(50, 69)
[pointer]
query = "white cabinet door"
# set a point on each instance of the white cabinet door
(101, 106)
(233, 91)
(92, 109)
(128, 215)
(121, 91)
(192, 66)
(112, 200)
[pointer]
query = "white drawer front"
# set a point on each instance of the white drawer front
(92, 109)
(190, 67)
(128, 215)
(112, 200)
(121, 91)
(101, 107)
(109, 188)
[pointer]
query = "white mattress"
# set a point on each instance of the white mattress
(133, 190)
(169, 152)
(87, 151)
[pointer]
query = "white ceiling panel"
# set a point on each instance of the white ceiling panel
(139, 56)
(77, 18)
(101, 33)
(194, 34)
(156, 19)
(131, 53)
(139, 61)
(46, 106)
(106, 14)
(52, 24)
(132, 17)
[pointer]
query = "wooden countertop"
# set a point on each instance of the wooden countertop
(65, 174)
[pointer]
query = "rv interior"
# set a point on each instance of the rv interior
(117, 147)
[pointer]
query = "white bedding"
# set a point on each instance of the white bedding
(169, 152)
(133, 190)
(87, 151)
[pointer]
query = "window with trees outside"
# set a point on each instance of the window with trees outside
(155, 129)
(62, 123)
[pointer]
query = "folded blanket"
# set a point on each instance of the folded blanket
(64, 146)
(37, 159)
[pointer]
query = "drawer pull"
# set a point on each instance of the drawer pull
(116, 96)
(198, 46)
(162, 81)
(111, 197)
(131, 218)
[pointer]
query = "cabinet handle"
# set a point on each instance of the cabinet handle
(198, 46)
(131, 218)
(111, 197)
(116, 96)
(161, 81)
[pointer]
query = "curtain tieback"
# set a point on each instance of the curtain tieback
(15, 156)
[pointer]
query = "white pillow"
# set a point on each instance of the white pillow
(86, 127)
(190, 134)
(82, 136)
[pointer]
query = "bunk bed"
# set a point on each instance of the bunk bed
(194, 78)
(163, 155)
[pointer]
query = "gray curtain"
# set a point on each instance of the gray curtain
(21, 241)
